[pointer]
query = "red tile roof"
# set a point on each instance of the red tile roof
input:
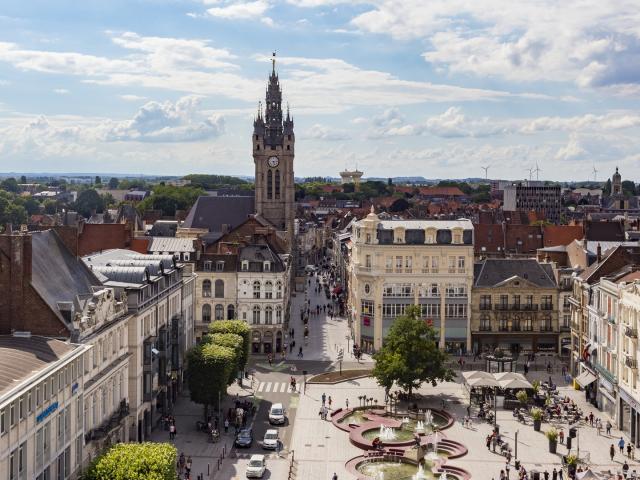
(555, 235)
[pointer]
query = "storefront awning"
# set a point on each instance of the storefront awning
(585, 378)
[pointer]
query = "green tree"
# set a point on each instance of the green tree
(10, 185)
(88, 202)
(410, 355)
(209, 367)
(23, 179)
(237, 327)
(628, 188)
(98, 180)
(31, 205)
(135, 461)
(236, 343)
(14, 214)
(400, 205)
(113, 183)
(606, 190)
(50, 207)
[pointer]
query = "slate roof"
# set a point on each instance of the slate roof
(214, 212)
(57, 275)
(257, 254)
(493, 271)
(171, 244)
(22, 357)
(605, 231)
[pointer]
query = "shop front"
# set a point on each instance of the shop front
(606, 397)
(629, 416)
(587, 380)
(256, 338)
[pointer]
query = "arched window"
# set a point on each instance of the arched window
(219, 289)
(231, 312)
(219, 312)
(277, 184)
(206, 288)
(269, 184)
(268, 289)
(268, 315)
(278, 289)
(256, 314)
(256, 289)
(278, 314)
(206, 313)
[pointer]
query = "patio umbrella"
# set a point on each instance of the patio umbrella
(509, 376)
(482, 382)
(515, 383)
(476, 374)
(587, 475)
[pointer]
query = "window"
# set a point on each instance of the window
(398, 264)
(393, 309)
(206, 288)
(547, 302)
(266, 266)
(367, 261)
(485, 323)
(269, 184)
(461, 264)
(245, 265)
(367, 288)
(278, 314)
(366, 307)
(256, 314)
(231, 312)
(256, 289)
(268, 289)
(430, 310)
(220, 266)
(456, 310)
(435, 264)
(3, 421)
(452, 264)
(268, 315)
(207, 265)
(368, 238)
(277, 184)
(206, 313)
(388, 265)
(12, 414)
(219, 311)
(408, 263)
(21, 409)
(504, 301)
(457, 237)
(485, 302)
(219, 289)
(278, 289)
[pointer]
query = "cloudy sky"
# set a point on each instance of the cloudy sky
(436, 88)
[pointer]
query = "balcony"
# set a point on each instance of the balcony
(501, 307)
(631, 362)
(110, 424)
(485, 306)
(631, 332)
(484, 328)
(546, 306)
(546, 328)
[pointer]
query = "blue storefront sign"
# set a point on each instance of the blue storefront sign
(46, 412)
(74, 388)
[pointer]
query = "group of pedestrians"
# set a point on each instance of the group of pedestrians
(326, 406)
(184, 466)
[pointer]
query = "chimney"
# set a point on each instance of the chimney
(599, 253)
(15, 276)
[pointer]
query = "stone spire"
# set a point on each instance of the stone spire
(273, 112)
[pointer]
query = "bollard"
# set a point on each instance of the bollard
(208, 469)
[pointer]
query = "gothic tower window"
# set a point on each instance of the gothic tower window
(269, 184)
(277, 184)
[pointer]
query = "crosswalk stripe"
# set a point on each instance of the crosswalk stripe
(261, 386)
(283, 387)
(268, 387)
(289, 390)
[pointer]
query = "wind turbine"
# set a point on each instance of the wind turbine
(486, 171)
(595, 174)
(530, 170)
(537, 170)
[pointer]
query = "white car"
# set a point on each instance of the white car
(256, 467)
(271, 439)
(276, 414)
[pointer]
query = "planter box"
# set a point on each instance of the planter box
(536, 425)
(553, 445)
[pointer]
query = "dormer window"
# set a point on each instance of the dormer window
(220, 266)
(267, 266)
(245, 265)
(207, 265)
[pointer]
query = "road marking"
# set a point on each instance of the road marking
(268, 387)
(261, 386)
(283, 387)
(289, 390)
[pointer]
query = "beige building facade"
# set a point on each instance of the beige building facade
(397, 263)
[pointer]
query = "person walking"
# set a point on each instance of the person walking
(172, 431)
(188, 466)
(591, 418)
(346, 402)
(226, 425)
(300, 352)
(329, 401)
(507, 467)
(335, 476)
(609, 427)
(629, 450)
(599, 426)
(502, 475)
(561, 436)
(625, 469)
(554, 474)
(621, 445)
(181, 463)
(612, 451)
(324, 399)
(488, 442)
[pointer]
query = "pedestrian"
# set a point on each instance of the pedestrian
(609, 427)
(629, 450)
(507, 467)
(599, 426)
(181, 462)
(226, 425)
(502, 476)
(560, 474)
(324, 398)
(189, 463)
(270, 359)
(347, 403)
(612, 451)
(300, 352)
(546, 475)
(625, 469)
(591, 418)
(335, 476)
(494, 441)
(488, 442)
(554, 474)
(172, 431)
(330, 401)
(564, 371)
(561, 436)
(621, 445)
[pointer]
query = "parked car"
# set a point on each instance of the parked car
(276, 414)
(244, 438)
(271, 439)
(256, 467)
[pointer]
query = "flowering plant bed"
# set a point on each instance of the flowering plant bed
(337, 377)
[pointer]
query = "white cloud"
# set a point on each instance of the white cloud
(588, 42)
(61, 91)
(240, 10)
(132, 98)
(322, 132)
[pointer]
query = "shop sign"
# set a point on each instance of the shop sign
(627, 398)
(46, 412)
(74, 388)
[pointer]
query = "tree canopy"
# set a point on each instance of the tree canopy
(237, 327)
(135, 461)
(169, 199)
(209, 368)
(234, 342)
(410, 355)
(89, 201)
(209, 182)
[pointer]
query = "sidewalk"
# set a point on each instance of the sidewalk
(205, 455)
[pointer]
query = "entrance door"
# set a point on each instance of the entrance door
(267, 348)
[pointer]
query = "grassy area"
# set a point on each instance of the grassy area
(337, 377)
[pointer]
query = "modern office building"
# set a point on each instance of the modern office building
(534, 197)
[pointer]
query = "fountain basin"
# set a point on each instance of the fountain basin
(389, 467)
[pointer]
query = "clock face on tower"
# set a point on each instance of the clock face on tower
(273, 162)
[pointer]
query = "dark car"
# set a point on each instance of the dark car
(244, 438)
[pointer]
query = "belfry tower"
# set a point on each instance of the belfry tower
(273, 153)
